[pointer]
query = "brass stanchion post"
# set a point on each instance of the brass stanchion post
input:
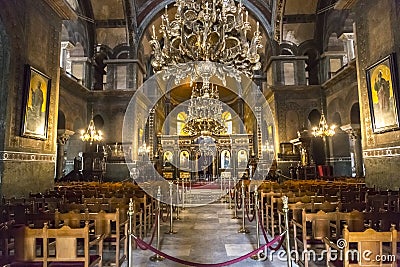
(183, 194)
(260, 256)
(229, 193)
(285, 201)
(243, 230)
(131, 212)
(235, 216)
(177, 202)
(171, 230)
(157, 257)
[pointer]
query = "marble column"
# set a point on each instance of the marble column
(354, 132)
(62, 139)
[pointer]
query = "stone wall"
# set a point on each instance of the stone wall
(32, 34)
(377, 36)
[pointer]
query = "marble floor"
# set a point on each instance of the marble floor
(208, 235)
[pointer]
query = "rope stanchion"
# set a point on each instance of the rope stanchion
(243, 229)
(131, 213)
(171, 230)
(285, 201)
(229, 193)
(156, 257)
(162, 214)
(196, 264)
(183, 194)
(247, 213)
(260, 256)
(235, 216)
(177, 203)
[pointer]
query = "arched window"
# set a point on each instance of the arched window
(242, 159)
(180, 123)
(225, 159)
(227, 117)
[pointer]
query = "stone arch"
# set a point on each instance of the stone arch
(292, 124)
(121, 51)
(288, 48)
(98, 121)
(313, 118)
(309, 50)
(61, 120)
(355, 113)
(336, 119)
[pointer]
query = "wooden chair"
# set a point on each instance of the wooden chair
(114, 230)
(356, 243)
(308, 234)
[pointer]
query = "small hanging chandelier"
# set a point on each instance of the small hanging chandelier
(91, 133)
(323, 128)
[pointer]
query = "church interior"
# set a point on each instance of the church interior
(117, 114)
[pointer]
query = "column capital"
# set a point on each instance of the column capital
(63, 136)
(353, 130)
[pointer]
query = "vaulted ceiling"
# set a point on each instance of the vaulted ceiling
(116, 23)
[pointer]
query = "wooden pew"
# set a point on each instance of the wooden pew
(107, 224)
(66, 247)
(58, 247)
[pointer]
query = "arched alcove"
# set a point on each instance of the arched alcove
(313, 118)
(355, 113)
(61, 120)
(98, 121)
(292, 124)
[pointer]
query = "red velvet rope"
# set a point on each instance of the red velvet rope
(141, 243)
(152, 234)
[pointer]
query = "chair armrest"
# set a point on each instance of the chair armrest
(98, 240)
(330, 244)
(124, 223)
(295, 223)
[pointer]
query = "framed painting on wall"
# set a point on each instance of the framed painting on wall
(35, 111)
(383, 94)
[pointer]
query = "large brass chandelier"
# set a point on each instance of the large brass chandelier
(206, 38)
(204, 112)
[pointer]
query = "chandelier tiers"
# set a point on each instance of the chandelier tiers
(204, 111)
(207, 30)
(91, 135)
(323, 128)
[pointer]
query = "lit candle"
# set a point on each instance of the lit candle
(247, 16)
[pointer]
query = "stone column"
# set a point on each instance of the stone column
(354, 132)
(62, 138)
